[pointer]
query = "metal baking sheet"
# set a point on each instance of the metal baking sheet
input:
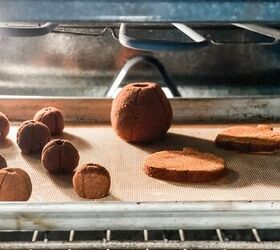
(249, 177)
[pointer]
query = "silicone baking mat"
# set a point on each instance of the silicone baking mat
(249, 177)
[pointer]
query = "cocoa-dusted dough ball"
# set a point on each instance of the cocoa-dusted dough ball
(3, 163)
(4, 126)
(52, 118)
(15, 185)
(32, 136)
(60, 156)
(92, 181)
(141, 113)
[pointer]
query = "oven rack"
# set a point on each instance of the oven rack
(141, 226)
(195, 40)
(141, 239)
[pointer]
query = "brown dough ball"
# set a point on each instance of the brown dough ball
(60, 156)
(15, 185)
(3, 163)
(32, 136)
(92, 181)
(141, 113)
(52, 118)
(4, 126)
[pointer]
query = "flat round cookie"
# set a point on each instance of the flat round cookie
(249, 139)
(188, 165)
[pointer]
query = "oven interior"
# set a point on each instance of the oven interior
(84, 60)
(228, 68)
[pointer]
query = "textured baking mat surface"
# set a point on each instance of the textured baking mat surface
(249, 177)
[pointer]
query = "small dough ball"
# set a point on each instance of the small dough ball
(92, 181)
(4, 126)
(32, 136)
(141, 113)
(52, 118)
(3, 163)
(15, 185)
(60, 156)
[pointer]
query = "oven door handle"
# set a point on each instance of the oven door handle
(160, 45)
(24, 31)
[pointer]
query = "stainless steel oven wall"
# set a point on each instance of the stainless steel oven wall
(85, 65)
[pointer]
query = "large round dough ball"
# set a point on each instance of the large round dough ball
(141, 113)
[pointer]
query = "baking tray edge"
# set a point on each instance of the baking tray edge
(139, 216)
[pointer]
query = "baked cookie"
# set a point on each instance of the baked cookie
(52, 118)
(32, 136)
(15, 185)
(92, 181)
(188, 165)
(4, 126)
(3, 163)
(60, 156)
(251, 139)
